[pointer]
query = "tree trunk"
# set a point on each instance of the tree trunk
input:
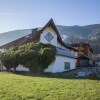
(14, 69)
(30, 69)
(8, 69)
(38, 70)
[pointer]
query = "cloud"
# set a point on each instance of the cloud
(11, 14)
(8, 14)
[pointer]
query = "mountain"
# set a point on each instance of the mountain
(13, 35)
(88, 33)
(69, 34)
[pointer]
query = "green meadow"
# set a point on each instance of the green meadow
(18, 87)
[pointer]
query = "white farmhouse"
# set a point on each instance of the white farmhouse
(66, 55)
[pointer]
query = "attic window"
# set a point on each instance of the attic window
(48, 37)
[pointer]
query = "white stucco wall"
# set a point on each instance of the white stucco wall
(19, 68)
(3, 68)
(53, 41)
(59, 66)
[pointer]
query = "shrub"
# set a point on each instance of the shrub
(35, 56)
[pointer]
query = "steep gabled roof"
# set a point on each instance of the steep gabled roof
(35, 36)
(82, 43)
(52, 24)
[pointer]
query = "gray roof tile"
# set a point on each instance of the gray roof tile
(64, 52)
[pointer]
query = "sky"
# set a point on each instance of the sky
(27, 14)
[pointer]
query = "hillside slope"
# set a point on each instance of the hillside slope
(89, 33)
(13, 35)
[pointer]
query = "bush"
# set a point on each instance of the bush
(35, 56)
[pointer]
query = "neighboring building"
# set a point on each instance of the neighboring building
(85, 53)
(66, 55)
(98, 63)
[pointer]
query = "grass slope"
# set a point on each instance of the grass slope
(17, 87)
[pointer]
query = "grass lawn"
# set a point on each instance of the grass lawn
(17, 87)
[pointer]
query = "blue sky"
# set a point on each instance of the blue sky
(25, 14)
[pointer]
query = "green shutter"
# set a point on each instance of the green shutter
(67, 65)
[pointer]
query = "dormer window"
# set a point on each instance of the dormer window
(48, 37)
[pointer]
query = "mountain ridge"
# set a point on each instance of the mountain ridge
(69, 34)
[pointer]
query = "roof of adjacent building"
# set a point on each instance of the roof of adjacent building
(82, 43)
(65, 53)
(35, 37)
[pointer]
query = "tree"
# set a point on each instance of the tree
(10, 58)
(1, 65)
(7, 61)
(35, 56)
(47, 56)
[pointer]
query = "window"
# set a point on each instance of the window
(48, 37)
(67, 65)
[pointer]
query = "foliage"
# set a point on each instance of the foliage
(0, 59)
(46, 53)
(10, 58)
(35, 56)
(18, 87)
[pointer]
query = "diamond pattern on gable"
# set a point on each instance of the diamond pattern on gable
(48, 37)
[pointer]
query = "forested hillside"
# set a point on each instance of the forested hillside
(89, 33)
(69, 34)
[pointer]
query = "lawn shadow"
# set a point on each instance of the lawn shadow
(56, 75)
